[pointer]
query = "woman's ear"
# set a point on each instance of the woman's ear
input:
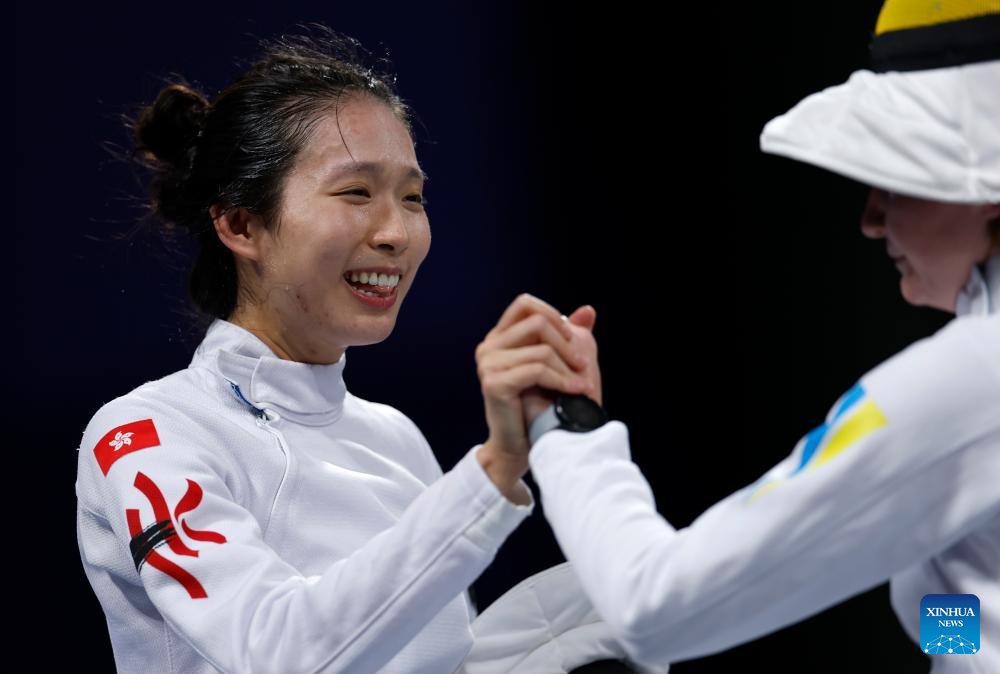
(239, 230)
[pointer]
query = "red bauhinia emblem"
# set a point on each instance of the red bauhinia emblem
(123, 440)
(164, 530)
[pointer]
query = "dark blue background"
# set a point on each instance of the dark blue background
(604, 155)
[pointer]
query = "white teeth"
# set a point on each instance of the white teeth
(383, 280)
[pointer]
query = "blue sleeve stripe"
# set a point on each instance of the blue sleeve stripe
(815, 437)
(856, 393)
(813, 441)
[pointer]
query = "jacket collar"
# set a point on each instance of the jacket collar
(981, 294)
(301, 392)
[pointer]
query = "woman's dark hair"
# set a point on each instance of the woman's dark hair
(236, 150)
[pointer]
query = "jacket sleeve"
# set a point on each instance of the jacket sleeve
(170, 498)
(906, 463)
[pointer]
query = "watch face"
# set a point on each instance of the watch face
(580, 411)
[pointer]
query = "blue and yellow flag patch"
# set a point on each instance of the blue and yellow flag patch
(852, 418)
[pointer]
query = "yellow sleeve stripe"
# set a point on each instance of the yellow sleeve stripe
(861, 423)
(862, 419)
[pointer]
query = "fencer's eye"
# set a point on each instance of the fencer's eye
(418, 198)
(360, 191)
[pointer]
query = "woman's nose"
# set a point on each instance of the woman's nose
(392, 233)
(873, 218)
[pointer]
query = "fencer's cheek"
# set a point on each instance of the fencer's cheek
(267, 267)
(282, 269)
(302, 300)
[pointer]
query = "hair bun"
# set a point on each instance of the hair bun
(167, 129)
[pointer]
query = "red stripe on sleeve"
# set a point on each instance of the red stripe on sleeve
(158, 561)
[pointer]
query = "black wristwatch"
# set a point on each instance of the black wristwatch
(571, 412)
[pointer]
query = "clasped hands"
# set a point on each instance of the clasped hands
(531, 353)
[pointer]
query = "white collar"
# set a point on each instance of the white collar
(302, 392)
(981, 294)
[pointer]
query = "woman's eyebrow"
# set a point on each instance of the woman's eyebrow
(373, 168)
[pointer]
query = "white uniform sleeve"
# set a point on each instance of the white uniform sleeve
(203, 561)
(432, 472)
(907, 463)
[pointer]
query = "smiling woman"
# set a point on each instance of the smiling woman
(352, 202)
(248, 513)
(935, 244)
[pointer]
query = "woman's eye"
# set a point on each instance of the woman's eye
(416, 198)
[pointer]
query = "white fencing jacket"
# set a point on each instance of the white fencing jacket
(248, 514)
(901, 482)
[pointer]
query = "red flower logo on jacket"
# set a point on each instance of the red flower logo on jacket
(164, 531)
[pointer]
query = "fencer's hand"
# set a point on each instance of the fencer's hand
(531, 345)
(535, 400)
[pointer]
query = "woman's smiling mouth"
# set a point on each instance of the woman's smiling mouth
(374, 289)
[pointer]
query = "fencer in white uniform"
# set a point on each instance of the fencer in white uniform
(899, 482)
(249, 514)
(902, 479)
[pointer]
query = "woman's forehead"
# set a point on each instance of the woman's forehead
(360, 131)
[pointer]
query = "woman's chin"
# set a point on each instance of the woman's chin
(368, 342)
(373, 335)
(916, 295)
(911, 292)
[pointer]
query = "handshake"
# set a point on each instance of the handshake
(547, 622)
(531, 354)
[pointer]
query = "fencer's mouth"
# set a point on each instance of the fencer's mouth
(373, 284)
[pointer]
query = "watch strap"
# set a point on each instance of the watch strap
(544, 422)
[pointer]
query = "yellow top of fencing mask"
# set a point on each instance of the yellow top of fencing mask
(903, 14)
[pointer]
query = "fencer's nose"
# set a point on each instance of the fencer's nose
(873, 218)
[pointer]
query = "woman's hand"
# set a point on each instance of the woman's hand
(535, 400)
(531, 346)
